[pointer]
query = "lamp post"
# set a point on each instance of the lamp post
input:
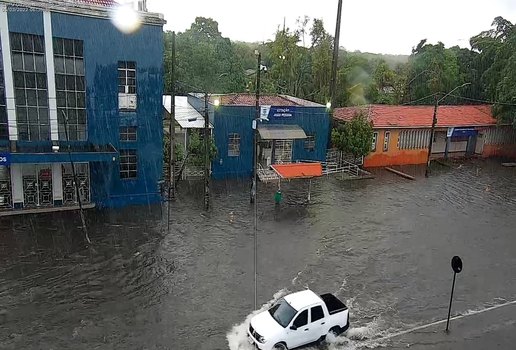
(255, 177)
(434, 123)
(255, 127)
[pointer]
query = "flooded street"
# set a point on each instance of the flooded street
(383, 246)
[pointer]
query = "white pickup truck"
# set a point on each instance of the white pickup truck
(298, 319)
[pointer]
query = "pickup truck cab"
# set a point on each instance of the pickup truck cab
(298, 319)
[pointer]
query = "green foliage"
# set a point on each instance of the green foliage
(299, 63)
(354, 137)
(432, 69)
(178, 150)
(196, 149)
(497, 52)
(204, 60)
(321, 52)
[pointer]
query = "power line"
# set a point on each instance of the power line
(485, 101)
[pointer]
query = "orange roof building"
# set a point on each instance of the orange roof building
(402, 133)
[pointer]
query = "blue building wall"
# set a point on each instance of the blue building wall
(104, 46)
(238, 119)
(28, 22)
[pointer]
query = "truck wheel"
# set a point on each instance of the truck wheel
(280, 346)
(335, 331)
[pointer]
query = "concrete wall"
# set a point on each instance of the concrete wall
(491, 142)
(500, 142)
(393, 156)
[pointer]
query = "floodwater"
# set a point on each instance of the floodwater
(383, 246)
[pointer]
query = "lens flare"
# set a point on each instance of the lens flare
(126, 19)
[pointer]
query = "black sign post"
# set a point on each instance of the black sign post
(456, 264)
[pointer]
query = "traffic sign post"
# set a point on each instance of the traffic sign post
(456, 264)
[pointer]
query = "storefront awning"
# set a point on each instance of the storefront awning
(281, 132)
(79, 153)
(298, 170)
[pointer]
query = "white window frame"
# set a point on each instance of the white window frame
(125, 161)
(375, 141)
(127, 98)
(233, 145)
(126, 132)
(309, 143)
(386, 140)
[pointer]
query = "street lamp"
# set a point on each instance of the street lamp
(216, 102)
(434, 123)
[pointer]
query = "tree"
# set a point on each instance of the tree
(196, 149)
(497, 54)
(204, 60)
(432, 69)
(354, 137)
(321, 58)
(178, 149)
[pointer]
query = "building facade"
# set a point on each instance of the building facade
(291, 130)
(76, 90)
(402, 133)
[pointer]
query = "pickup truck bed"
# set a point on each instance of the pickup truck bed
(333, 304)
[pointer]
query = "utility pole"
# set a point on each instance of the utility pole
(255, 177)
(255, 129)
(206, 153)
(74, 175)
(172, 127)
(333, 81)
(432, 131)
(434, 123)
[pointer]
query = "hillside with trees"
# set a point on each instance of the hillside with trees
(299, 64)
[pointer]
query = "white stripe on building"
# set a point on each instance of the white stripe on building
(17, 183)
(49, 54)
(8, 74)
(57, 182)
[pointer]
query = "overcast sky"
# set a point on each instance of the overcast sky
(379, 26)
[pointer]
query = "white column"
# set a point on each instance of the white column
(57, 182)
(17, 183)
(8, 73)
(51, 78)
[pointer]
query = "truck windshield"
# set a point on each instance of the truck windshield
(282, 312)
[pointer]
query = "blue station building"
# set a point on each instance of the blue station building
(74, 88)
(291, 130)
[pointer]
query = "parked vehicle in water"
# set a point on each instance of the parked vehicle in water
(298, 319)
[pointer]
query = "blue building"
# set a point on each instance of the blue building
(296, 130)
(73, 88)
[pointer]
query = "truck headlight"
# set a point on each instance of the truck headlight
(260, 339)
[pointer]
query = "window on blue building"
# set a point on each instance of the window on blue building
(70, 88)
(4, 129)
(128, 164)
(30, 86)
(127, 77)
(128, 133)
(234, 145)
(310, 142)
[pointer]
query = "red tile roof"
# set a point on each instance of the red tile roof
(266, 100)
(385, 116)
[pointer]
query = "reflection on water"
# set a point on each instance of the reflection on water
(382, 245)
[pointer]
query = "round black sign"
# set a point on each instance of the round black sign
(456, 264)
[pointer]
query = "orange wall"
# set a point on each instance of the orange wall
(393, 156)
(508, 151)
